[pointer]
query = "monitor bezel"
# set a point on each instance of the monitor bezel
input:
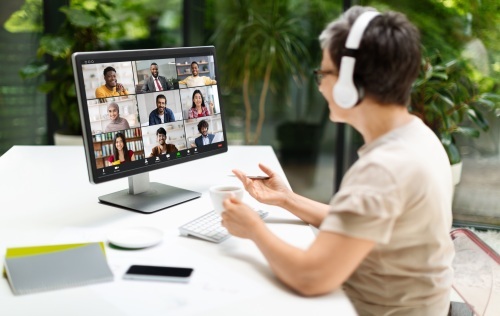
(78, 60)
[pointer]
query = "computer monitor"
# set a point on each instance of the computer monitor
(142, 110)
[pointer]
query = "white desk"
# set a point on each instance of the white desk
(46, 198)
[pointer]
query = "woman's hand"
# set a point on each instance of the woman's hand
(239, 219)
(271, 191)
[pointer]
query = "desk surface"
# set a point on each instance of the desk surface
(47, 199)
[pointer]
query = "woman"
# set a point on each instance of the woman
(384, 236)
(121, 153)
(199, 109)
(117, 123)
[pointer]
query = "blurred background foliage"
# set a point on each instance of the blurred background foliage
(266, 49)
(117, 20)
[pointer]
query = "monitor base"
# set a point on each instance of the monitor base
(158, 197)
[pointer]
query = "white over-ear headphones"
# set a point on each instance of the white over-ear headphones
(345, 92)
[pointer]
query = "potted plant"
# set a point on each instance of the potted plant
(79, 32)
(448, 101)
(174, 82)
(263, 47)
(87, 26)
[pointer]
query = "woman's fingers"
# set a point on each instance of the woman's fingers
(266, 170)
(243, 178)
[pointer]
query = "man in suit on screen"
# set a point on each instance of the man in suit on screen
(156, 82)
(205, 138)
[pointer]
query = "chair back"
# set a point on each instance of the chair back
(477, 273)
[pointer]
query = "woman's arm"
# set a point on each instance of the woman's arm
(205, 111)
(308, 210)
(322, 268)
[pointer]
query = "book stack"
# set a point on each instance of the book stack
(45, 268)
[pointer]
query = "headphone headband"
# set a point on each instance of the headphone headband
(358, 29)
(345, 93)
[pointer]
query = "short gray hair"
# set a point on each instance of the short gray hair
(345, 22)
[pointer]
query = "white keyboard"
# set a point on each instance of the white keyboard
(208, 227)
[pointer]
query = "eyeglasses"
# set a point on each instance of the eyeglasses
(319, 74)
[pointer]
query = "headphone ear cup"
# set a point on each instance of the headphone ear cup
(345, 93)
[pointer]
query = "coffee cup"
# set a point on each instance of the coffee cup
(219, 193)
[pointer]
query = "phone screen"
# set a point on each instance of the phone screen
(160, 271)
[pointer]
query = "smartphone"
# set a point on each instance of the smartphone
(259, 177)
(254, 177)
(158, 273)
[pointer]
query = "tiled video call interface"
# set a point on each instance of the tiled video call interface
(149, 111)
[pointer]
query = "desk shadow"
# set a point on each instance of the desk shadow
(275, 220)
(113, 246)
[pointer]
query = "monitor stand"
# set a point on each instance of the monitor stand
(148, 197)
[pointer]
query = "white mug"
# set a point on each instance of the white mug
(219, 193)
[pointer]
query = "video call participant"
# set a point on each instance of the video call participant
(111, 88)
(198, 109)
(195, 80)
(205, 138)
(156, 82)
(121, 153)
(117, 123)
(382, 238)
(162, 148)
(161, 114)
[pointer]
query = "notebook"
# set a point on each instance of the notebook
(45, 268)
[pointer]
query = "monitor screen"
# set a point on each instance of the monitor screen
(142, 110)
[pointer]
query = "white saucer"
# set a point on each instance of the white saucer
(136, 237)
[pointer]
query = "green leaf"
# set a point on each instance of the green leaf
(493, 96)
(439, 75)
(72, 90)
(468, 131)
(80, 18)
(487, 103)
(478, 118)
(27, 19)
(90, 5)
(446, 100)
(453, 153)
(47, 87)
(33, 70)
(446, 139)
(57, 46)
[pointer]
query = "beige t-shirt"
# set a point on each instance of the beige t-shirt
(398, 194)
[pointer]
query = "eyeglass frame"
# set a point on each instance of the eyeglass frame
(319, 74)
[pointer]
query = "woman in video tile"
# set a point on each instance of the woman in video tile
(199, 109)
(117, 123)
(121, 153)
